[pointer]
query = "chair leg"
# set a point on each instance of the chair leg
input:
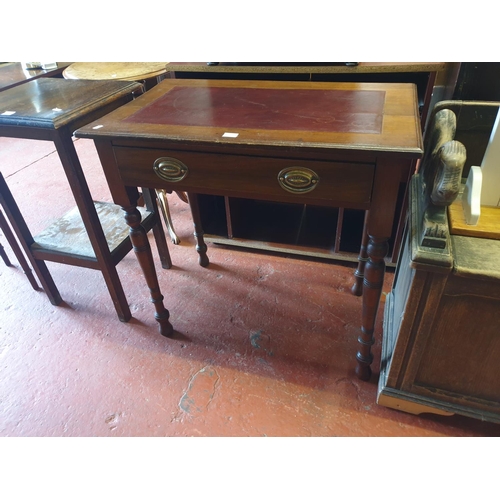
(163, 202)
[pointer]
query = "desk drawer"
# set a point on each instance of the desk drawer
(278, 179)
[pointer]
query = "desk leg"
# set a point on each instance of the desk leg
(372, 290)
(142, 250)
(201, 247)
(357, 288)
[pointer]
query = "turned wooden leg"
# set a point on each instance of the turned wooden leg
(357, 287)
(142, 250)
(373, 282)
(150, 197)
(201, 247)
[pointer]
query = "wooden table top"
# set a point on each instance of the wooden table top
(52, 103)
(361, 116)
(362, 67)
(13, 73)
(133, 71)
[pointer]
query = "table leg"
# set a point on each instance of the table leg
(4, 256)
(161, 244)
(201, 247)
(373, 282)
(17, 252)
(142, 250)
(81, 192)
(357, 287)
(26, 240)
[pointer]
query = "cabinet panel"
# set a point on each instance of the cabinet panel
(462, 339)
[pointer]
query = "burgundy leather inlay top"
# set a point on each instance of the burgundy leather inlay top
(274, 109)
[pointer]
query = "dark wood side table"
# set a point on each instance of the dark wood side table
(325, 144)
(52, 109)
(13, 74)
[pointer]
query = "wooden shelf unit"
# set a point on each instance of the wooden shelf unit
(322, 232)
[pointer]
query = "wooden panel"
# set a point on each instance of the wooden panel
(487, 227)
(346, 184)
(476, 258)
(462, 354)
(362, 67)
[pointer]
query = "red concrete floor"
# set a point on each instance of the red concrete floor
(264, 346)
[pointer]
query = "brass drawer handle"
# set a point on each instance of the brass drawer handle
(298, 180)
(170, 169)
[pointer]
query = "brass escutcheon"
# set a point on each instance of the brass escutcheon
(170, 169)
(298, 180)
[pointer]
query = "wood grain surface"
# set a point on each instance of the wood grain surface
(114, 70)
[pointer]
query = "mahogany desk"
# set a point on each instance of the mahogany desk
(328, 144)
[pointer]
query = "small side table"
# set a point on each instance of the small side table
(149, 73)
(52, 109)
(13, 74)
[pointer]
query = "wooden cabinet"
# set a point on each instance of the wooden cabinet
(300, 228)
(441, 340)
